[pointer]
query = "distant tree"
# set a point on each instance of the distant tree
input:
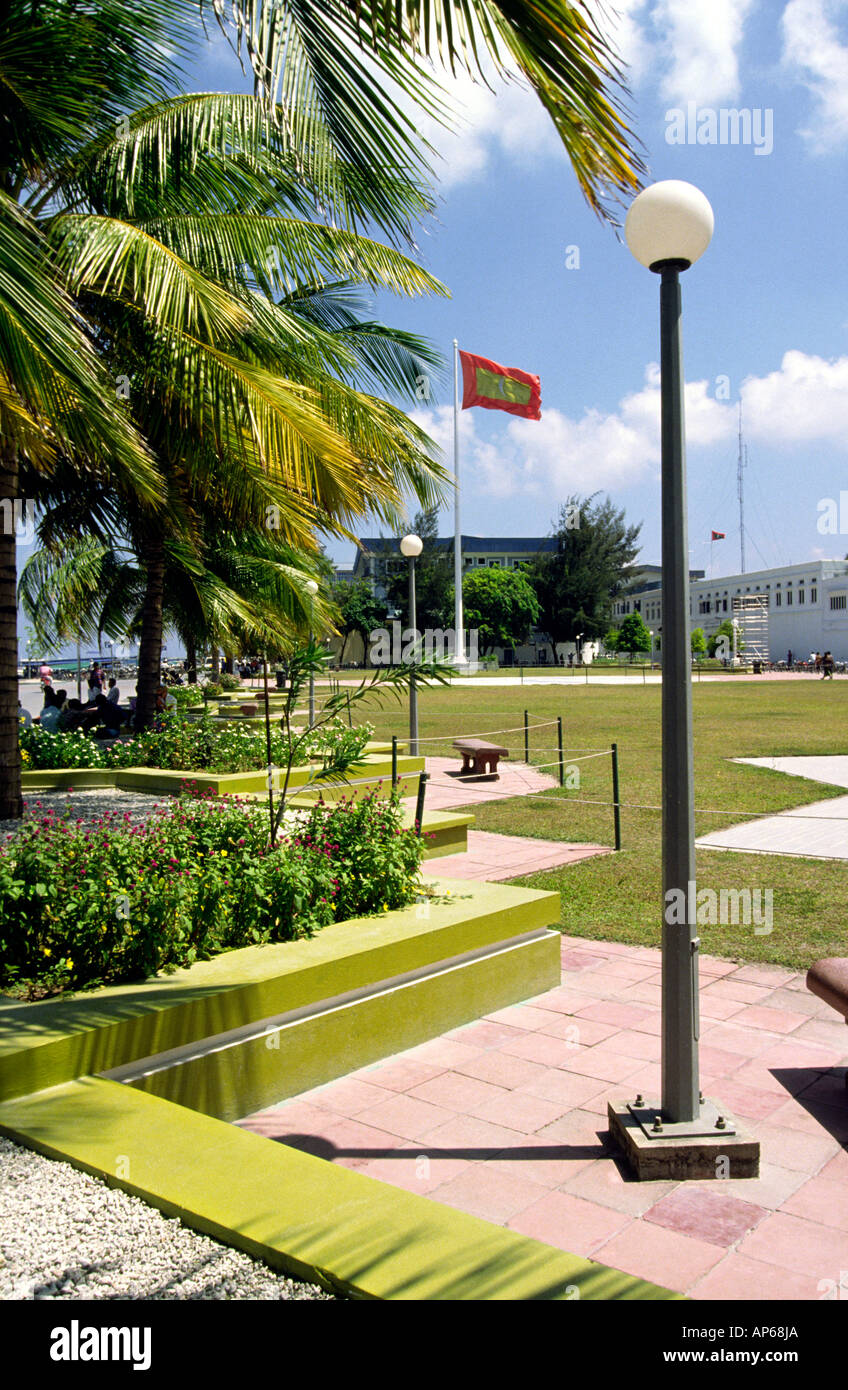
(611, 639)
(576, 583)
(721, 641)
(634, 635)
(500, 604)
(359, 612)
(433, 576)
(697, 641)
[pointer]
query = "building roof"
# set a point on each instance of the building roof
(375, 545)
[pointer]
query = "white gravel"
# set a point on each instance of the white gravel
(89, 805)
(65, 1235)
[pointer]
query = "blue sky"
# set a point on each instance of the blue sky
(766, 309)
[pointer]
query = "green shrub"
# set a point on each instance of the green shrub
(82, 905)
(230, 682)
(200, 745)
(187, 695)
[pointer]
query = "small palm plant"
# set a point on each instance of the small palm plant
(309, 661)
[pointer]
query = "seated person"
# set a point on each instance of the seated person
(110, 716)
(24, 716)
(53, 703)
(72, 716)
(114, 693)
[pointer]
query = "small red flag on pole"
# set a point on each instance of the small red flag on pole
(717, 536)
(493, 387)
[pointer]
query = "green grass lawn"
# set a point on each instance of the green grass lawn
(618, 897)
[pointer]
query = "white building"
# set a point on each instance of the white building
(807, 605)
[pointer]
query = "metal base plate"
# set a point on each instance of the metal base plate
(710, 1124)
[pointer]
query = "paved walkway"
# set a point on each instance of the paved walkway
(496, 858)
(506, 1118)
(816, 831)
(448, 787)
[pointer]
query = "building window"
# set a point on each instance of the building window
(778, 598)
(838, 601)
(788, 598)
(813, 595)
(800, 595)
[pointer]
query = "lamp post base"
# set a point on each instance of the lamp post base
(713, 1146)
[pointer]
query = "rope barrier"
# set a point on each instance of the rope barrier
(487, 733)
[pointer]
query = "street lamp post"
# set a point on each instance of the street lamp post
(669, 225)
(411, 546)
(312, 589)
(651, 631)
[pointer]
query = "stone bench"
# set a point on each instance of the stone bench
(479, 757)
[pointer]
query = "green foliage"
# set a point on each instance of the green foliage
(433, 576)
(359, 612)
(187, 695)
(310, 660)
(202, 745)
(722, 640)
(500, 604)
(86, 905)
(634, 635)
(576, 583)
(612, 639)
(230, 682)
(697, 641)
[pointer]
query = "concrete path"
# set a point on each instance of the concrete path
(497, 858)
(506, 1118)
(448, 787)
(817, 831)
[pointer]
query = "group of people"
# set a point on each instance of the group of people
(101, 714)
(823, 664)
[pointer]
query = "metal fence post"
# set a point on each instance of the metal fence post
(394, 761)
(559, 741)
(419, 804)
(526, 739)
(616, 803)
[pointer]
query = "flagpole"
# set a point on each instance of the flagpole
(458, 621)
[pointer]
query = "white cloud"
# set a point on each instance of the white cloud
(805, 400)
(506, 117)
(812, 47)
(700, 41)
(558, 455)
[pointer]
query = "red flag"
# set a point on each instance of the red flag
(487, 384)
(717, 536)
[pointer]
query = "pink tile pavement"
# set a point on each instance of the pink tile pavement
(506, 1118)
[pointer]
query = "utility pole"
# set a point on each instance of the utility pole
(740, 491)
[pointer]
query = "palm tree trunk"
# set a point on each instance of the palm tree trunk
(216, 664)
(11, 803)
(150, 646)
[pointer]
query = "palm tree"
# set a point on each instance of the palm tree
(358, 68)
(347, 149)
(64, 78)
